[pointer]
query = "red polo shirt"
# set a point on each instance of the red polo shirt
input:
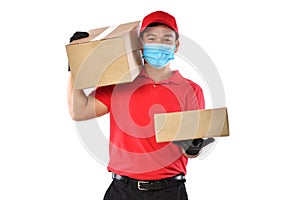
(133, 149)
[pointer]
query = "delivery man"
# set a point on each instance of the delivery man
(142, 168)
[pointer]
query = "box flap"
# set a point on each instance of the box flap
(124, 29)
(117, 31)
(92, 35)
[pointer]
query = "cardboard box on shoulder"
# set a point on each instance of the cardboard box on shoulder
(110, 55)
(193, 124)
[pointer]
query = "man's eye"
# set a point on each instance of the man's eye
(167, 41)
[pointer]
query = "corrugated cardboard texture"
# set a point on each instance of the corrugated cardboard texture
(114, 59)
(191, 124)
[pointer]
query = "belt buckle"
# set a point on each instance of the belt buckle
(139, 185)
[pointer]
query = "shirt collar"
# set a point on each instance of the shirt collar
(176, 78)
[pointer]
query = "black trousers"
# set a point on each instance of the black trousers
(119, 190)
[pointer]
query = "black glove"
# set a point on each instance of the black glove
(78, 35)
(193, 147)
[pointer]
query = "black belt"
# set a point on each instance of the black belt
(146, 185)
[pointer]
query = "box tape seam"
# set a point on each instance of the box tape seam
(105, 33)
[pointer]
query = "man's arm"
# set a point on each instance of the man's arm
(192, 148)
(82, 107)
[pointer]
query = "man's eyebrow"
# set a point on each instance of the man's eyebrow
(150, 34)
(168, 35)
(154, 35)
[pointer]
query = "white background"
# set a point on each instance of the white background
(255, 46)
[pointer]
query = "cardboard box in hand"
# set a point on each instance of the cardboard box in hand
(110, 55)
(193, 124)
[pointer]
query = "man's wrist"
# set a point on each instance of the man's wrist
(192, 148)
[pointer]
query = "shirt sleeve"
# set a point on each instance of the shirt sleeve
(103, 94)
(195, 98)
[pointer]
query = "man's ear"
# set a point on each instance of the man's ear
(177, 43)
(141, 42)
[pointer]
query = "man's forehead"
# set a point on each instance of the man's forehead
(158, 30)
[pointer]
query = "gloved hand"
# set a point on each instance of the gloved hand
(78, 35)
(193, 147)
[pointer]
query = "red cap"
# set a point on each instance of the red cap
(159, 17)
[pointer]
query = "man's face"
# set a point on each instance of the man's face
(160, 34)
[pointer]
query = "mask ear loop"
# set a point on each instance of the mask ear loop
(142, 49)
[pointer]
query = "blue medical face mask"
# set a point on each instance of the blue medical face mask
(158, 55)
